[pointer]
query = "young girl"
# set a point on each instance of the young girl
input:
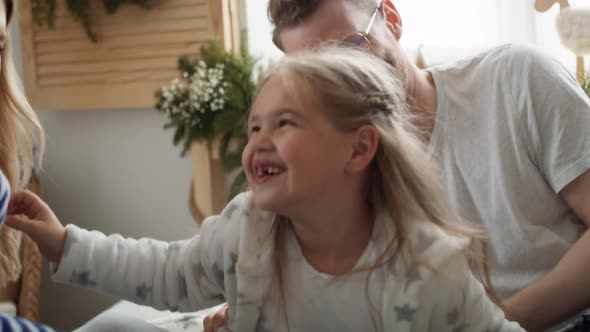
(344, 228)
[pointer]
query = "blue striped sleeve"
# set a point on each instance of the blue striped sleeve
(4, 196)
(10, 323)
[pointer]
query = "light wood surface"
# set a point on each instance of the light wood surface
(208, 180)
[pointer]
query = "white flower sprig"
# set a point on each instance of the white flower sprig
(190, 100)
(209, 101)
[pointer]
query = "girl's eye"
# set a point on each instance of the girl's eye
(285, 122)
(254, 129)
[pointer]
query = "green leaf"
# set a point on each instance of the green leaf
(226, 121)
(224, 146)
(111, 6)
(186, 147)
(44, 12)
(169, 125)
(231, 161)
(178, 135)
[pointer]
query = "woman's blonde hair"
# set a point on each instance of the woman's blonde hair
(354, 88)
(22, 142)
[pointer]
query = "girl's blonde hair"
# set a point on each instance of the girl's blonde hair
(353, 88)
(22, 142)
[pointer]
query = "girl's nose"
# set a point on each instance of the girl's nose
(262, 141)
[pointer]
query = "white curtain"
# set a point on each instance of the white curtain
(450, 29)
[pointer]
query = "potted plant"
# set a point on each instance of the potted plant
(208, 104)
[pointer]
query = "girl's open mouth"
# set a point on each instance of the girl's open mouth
(266, 172)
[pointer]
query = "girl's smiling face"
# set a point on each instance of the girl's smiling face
(295, 155)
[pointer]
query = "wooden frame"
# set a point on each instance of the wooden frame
(207, 184)
(137, 52)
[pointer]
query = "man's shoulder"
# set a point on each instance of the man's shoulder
(512, 51)
(516, 68)
(521, 55)
(521, 62)
(501, 58)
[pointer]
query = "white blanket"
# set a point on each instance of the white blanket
(169, 321)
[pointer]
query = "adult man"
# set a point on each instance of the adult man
(510, 130)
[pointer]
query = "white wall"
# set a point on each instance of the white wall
(114, 171)
(117, 172)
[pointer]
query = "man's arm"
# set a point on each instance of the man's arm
(565, 290)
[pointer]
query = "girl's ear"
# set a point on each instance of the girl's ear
(366, 142)
(392, 17)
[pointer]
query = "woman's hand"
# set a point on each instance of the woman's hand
(29, 214)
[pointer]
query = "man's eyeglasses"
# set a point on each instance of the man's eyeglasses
(361, 39)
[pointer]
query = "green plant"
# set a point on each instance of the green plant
(211, 100)
(44, 12)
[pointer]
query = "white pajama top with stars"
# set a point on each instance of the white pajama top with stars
(232, 260)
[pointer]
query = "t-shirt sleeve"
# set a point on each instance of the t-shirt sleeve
(555, 114)
(454, 300)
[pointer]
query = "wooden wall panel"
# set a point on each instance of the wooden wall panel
(137, 52)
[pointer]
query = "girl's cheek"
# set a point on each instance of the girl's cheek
(246, 158)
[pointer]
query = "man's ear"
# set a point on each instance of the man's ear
(393, 19)
(365, 144)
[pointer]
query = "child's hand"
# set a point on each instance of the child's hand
(29, 214)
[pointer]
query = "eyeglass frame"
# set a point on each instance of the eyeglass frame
(365, 34)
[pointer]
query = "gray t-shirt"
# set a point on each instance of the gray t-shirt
(512, 130)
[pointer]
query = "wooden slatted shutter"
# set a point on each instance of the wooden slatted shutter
(137, 52)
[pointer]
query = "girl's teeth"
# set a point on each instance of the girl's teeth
(267, 171)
